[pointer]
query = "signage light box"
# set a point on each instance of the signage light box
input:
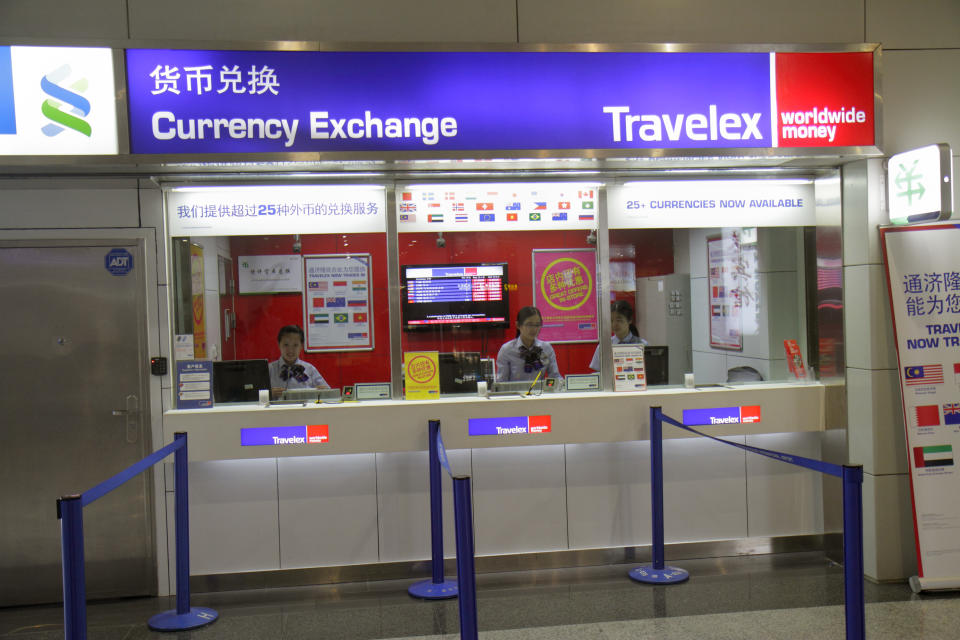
(919, 184)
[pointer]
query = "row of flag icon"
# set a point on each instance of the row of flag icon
(492, 217)
(431, 196)
(929, 415)
(412, 207)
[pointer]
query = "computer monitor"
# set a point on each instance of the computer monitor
(239, 380)
(459, 372)
(656, 361)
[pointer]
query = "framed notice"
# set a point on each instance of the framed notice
(270, 274)
(923, 277)
(565, 292)
(337, 306)
(729, 283)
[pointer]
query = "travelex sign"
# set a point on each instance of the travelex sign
(721, 415)
(184, 101)
(57, 101)
(508, 426)
(272, 436)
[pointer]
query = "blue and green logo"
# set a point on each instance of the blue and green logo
(62, 97)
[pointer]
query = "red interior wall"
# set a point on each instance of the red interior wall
(259, 317)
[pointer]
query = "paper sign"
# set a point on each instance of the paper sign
(421, 370)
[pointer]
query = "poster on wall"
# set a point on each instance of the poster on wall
(337, 307)
(270, 274)
(565, 292)
(923, 278)
(733, 287)
(196, 299)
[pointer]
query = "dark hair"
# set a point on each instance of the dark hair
(291, 328)
(623, 308)
(527, 312)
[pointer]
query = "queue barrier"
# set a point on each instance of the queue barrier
(852, 475)
(70, 514)
(466, 585)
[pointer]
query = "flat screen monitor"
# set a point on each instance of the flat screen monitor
(656, 361)
(454, 295)
(239, 380)
(459, 372)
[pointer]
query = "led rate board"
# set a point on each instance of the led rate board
(189, 101)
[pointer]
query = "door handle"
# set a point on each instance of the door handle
(132, 418)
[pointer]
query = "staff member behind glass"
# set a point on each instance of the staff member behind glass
(289, 371)
(624, 332)
(525, 357)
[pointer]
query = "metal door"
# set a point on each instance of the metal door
(74, 411)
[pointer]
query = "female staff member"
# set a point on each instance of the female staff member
(289, 371)
(526, 357)
(621, 321)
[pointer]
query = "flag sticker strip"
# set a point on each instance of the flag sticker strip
(935, 456)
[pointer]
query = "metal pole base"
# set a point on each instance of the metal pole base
(668, 575)
(172, 621)
(430, 590)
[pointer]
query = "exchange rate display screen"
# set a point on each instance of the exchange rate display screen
(464, 295)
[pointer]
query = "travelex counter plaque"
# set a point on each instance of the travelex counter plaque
(508, 426)
(721, 415)
(271, 436)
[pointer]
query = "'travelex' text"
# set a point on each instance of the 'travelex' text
(691, 126)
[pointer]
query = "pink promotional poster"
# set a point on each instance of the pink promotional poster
(565, 292)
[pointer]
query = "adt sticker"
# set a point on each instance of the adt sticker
(119, 262)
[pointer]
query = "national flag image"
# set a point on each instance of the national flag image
(435, 217)
(320, 318)
(484, 206)
(585, 194)
(336, 302)
(927, 415)
(539, 206)
(513, 206)
(534, 217)
(511, 217)
(313, 284)
(956, 372)
(449, 195)
(587, 205)
(925, 374)
(339, 283)
(487, 217)
(357, 303)
(408, 217)
(586, 216)
(940, 455)
(563, 205)
(318, 302)
(434, 205)
(559, 217)
(360, 317)
(406, 196)
(340, 318)
(457, 206)
(408, 206)
(951, 413)
(462, 217)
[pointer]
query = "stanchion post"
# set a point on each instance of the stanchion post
(437, 588)
(853, 552)
(466, 578)
(184, 616)
(182, 509)
(70, 513)
(657, 572)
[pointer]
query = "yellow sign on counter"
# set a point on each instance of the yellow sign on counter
(421, 371)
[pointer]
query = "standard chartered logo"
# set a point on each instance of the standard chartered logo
(65, 108)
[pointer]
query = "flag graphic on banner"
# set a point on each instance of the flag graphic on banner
(935, 456)
(484, 206)
(559, 217)
(927, 415)
(951, 413)
(457, 206)
(539, 206)
(435, 217)
(586, 217)
(408, 217)
(563, 205)
(340, 318)
(320, 318)
(406, 196)
(585, 194)
(462, 217)
(511, 217)
(956, 372)
(487, 217)
(408, 206)
(926, 374)
(360, 317)
(513, 206)
(534, 217)
(588, 205)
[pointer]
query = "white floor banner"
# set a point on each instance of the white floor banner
(923, 276)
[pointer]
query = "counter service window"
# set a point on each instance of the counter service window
(278, 288)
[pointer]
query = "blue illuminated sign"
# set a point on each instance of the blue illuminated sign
(8, 116)
(508, 426)
(272, 436)
(184, 101)
(721, 415)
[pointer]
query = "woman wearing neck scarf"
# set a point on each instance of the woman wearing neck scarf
(289, 371)
(526, 357)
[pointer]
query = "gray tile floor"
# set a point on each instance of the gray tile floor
(764, 597)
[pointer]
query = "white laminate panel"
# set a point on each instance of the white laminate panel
(699, 314)
(519, 500)
(68, 204)
(608, 494)
(868, 328)
(756, 330)
(328, 511)
(403, 502)
(704, 494)
(875, 432)
(908, 25)
(66, 21)
(233, 516)
(889, 548)
(784, 499)
(863, 210)
(709, 367)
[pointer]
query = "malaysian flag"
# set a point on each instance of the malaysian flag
(925, 374)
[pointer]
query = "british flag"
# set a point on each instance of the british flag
(407, 206)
